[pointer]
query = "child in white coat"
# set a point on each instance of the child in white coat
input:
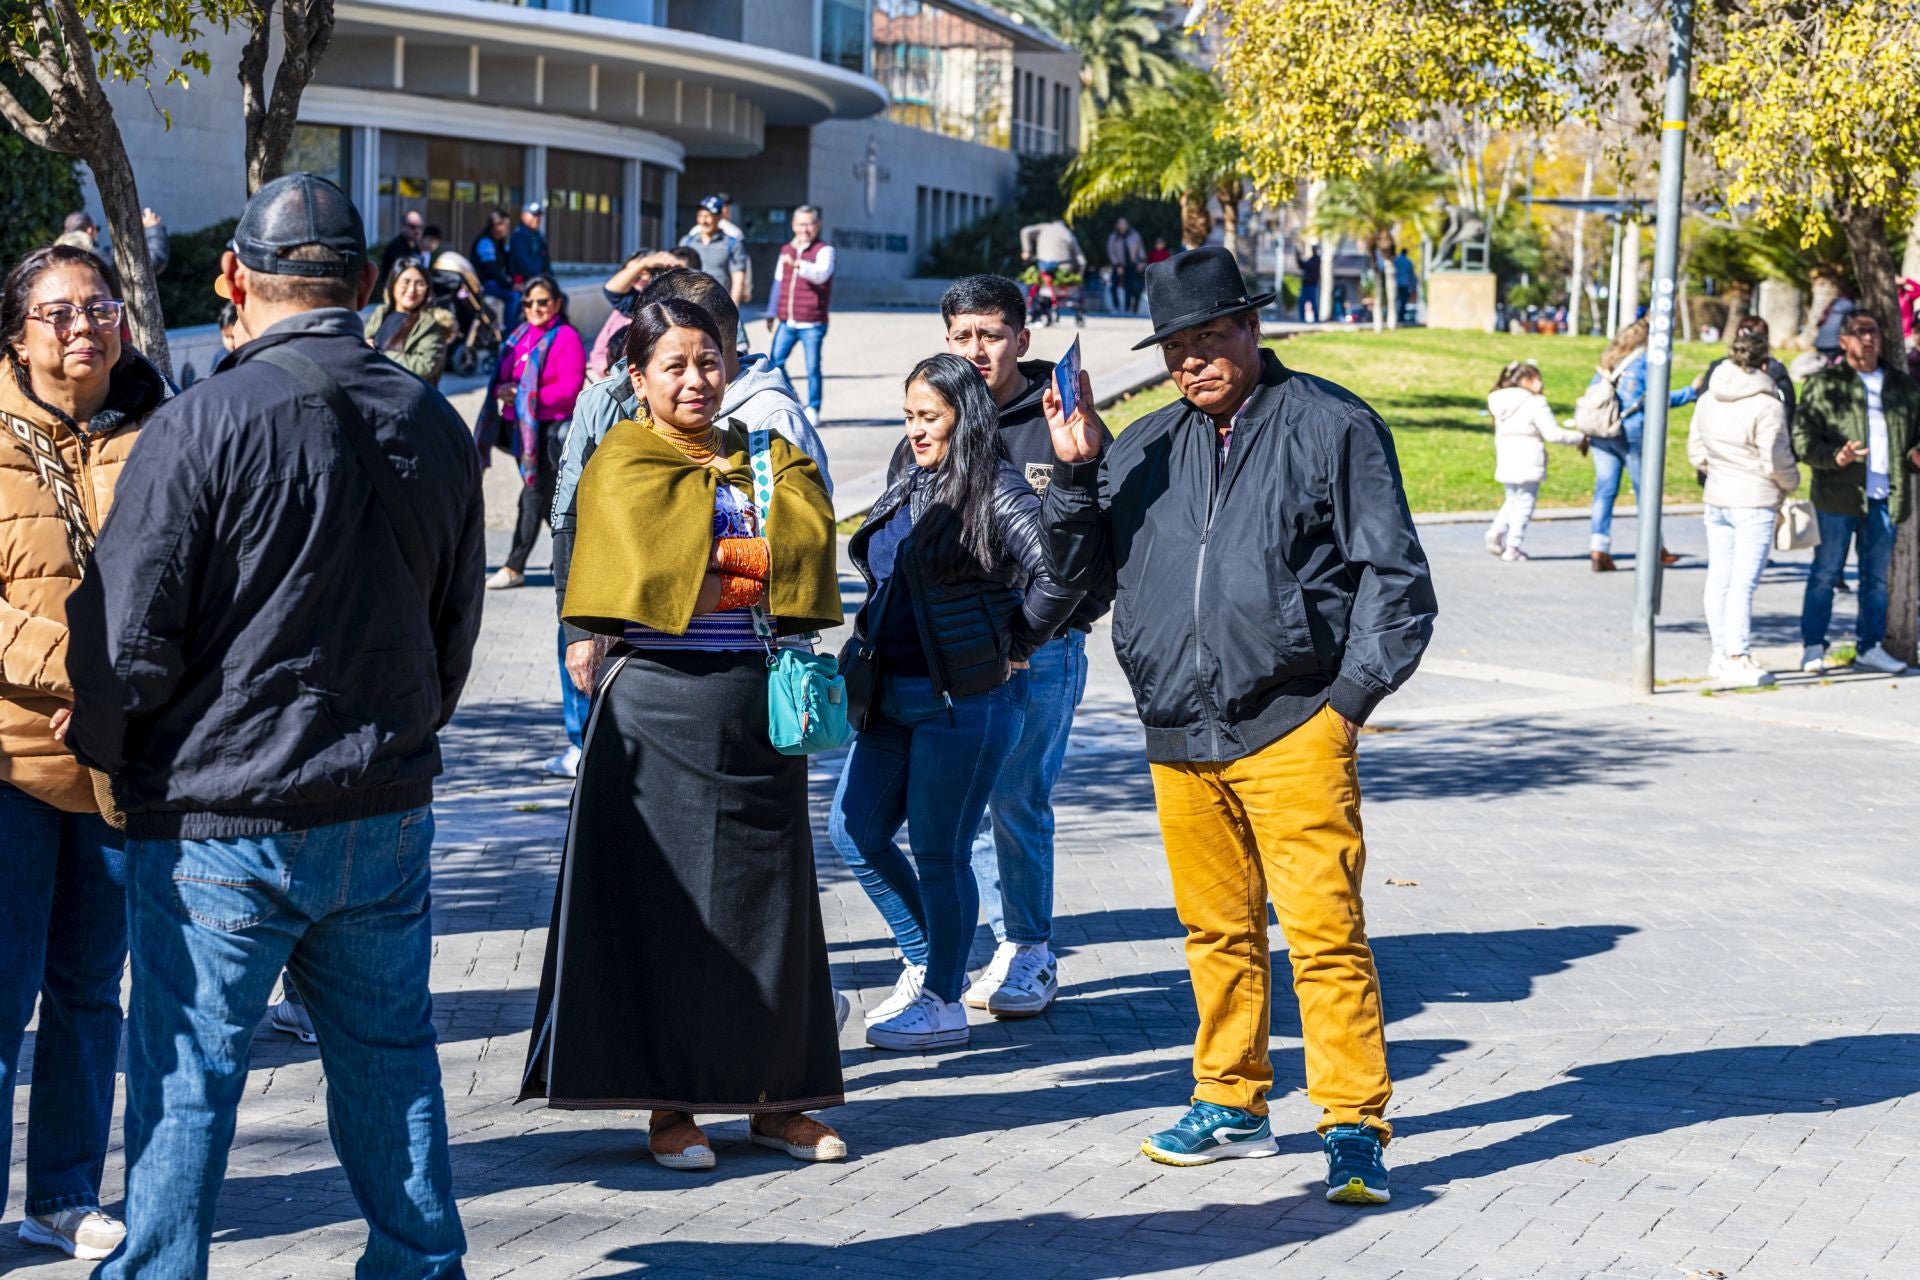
(1523, 427)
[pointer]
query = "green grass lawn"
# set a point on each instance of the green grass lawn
(1430, 386)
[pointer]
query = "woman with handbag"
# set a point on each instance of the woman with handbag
(959, 592)
(686, 970)
(72, 398)
(543, 368)
(1739, 439)
(1624, 364)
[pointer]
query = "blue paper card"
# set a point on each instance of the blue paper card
(1066, 380)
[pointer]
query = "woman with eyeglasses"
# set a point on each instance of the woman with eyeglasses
(542, 370)
(406, 330)
(72, 398)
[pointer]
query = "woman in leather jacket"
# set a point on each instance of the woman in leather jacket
(959, 593)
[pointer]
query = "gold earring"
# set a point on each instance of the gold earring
(646, 415)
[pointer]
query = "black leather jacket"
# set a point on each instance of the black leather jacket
(973, 628)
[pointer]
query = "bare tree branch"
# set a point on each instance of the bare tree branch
(306, 31)
(23, 122)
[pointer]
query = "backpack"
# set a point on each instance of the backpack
(1597, 412)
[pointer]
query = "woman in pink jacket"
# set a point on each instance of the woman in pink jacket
(540, 376)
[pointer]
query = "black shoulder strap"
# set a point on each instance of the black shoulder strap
(353, 425)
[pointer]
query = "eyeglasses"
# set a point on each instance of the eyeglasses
(541, 303)
(62, 317)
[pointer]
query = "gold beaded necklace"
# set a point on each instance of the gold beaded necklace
(703, 450)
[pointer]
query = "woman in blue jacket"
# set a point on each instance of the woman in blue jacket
(1625, 361)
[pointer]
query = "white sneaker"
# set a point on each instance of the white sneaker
(1032, 981)
(293, 1019)
(506, 579)
(564, 765)
(906, 989)
(1878, 659)
(1716, 667)
(928, 1023)
(813, 416)
(991, 977)
(86, 1234)
(1743, 672)
(1496, 540)
(1814, 658)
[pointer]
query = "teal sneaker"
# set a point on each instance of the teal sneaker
(1208, 1133)
(1356, 1171)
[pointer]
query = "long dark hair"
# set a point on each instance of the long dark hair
(651, 322)
(958, 538)
(401, 268)
(17, 294)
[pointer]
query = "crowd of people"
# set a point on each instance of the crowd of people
(222, 707)
(1854, 423)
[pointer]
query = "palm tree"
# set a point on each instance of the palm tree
(1370, 208)
(1163, 147)
(1120, 42)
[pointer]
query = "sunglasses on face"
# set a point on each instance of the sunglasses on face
(540, 304)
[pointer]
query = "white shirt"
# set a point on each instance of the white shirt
(1879, 481)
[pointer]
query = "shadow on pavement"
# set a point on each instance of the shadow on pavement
(1497, 759)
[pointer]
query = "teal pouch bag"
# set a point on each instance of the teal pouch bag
(806, 694)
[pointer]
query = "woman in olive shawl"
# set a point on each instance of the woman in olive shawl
(686, 970)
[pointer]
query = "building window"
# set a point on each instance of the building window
(452, 184)
(324, 149)
(653, 207)
(584, 206)
(944, 73)
(843, 34)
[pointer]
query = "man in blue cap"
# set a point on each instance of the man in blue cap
(1269, 590)
(722, 256)
(275, 627)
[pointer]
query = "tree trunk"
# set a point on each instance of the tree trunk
(113, 175)
(1577, 278)
(1229, 199)
(1680, 295)
(1739, 301)
(1194, 220)
(271, 117)
(1873, 268)
(1380, 287)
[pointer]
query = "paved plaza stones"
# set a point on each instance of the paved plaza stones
(1649, 968)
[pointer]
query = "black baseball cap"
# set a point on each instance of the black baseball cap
(292, 212)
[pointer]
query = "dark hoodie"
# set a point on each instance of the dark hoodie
(1029, 446)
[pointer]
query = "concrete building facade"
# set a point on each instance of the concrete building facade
(901, 119)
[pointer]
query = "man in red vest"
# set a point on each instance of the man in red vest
(802, 293)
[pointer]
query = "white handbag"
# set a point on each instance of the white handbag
(1796, 528)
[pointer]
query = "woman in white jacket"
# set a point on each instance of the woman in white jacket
(1523, 427)
(1739, 439)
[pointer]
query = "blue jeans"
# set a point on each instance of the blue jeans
(1610, 459)
(1874, 552)
(574, 704)
(63, 940)
(932, 769)
(345, 909)
(810, 338)
(1013, 854)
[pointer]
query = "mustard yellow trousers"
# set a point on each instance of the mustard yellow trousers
(1283, 822)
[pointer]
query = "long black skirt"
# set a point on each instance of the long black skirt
(686, 969)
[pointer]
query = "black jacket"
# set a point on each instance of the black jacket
(250, 651)
(1248, 599)
(1029, 446)
(972, 628)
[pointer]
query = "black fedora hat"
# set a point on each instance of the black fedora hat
(1200, 284)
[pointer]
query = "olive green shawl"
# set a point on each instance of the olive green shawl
(646, 531)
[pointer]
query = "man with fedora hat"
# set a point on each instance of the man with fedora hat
(276, 626)
(1269, 590)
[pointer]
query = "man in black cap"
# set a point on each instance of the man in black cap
(1269, 590)
(722, 256)
(275, 627)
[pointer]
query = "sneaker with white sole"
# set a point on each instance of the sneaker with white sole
(564, 765)
(991, 977)
(928, 1023)
(1496, 540)
(506, 579)
(1878, 659)
(1716, 667)
(1031, 983)
(1814, 658)
(906, 989)
(1743, 672)
(293, 1019)
(1513, 555)
(1210, 1132)
(86, 1234)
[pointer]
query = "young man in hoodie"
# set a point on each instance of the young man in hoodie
(986, 324)
(757, 394)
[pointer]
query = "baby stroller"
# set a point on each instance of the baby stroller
(1048, 294)
(453, 285)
